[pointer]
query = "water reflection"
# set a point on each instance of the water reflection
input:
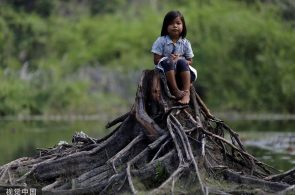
(272, 142)
(274, 148)
(279, 142)
(279, 160)
(21, 138)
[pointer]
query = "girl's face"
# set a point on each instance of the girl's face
(175, 27)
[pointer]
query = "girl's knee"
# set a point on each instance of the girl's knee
(182, 65)
(168, 64)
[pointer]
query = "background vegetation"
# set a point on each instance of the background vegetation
(85, 57)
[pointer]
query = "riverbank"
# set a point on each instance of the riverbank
(226, 116)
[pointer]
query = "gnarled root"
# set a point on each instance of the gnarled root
(158, 144)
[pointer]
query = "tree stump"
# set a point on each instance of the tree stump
(160, 147)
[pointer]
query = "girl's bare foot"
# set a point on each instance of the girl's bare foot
(179, 94)
(185, 99)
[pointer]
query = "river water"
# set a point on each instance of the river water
(270, 142)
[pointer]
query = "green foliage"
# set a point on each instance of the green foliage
(105, 6)
(22, 172)
(42, 7)
(244, 53)
(139, 186)
(161, 174)
(286, 7)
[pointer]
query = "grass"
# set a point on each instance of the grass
(161, 173)
(22, 172)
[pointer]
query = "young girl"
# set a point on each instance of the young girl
(173, 55)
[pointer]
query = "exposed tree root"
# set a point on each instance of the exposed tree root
(158, 144)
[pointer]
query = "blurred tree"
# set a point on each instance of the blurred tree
(105, 6)
(286, 7)
(42, 7)
(247, 50)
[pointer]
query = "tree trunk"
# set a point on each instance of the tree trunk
(160, 147)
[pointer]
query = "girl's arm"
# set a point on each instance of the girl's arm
(157, 58)
(189, 61)
(188, 53)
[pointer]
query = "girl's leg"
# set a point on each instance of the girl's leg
(168, 66)
(185, 75)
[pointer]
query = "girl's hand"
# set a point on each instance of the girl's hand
(176, 57)
(172, 56)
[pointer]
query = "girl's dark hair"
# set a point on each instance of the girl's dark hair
(170, 16)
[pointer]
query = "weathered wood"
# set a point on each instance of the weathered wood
(282, 175)
(117, 120)
(141, 114)
(235, 177)
(156, 135)
(139, 138)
